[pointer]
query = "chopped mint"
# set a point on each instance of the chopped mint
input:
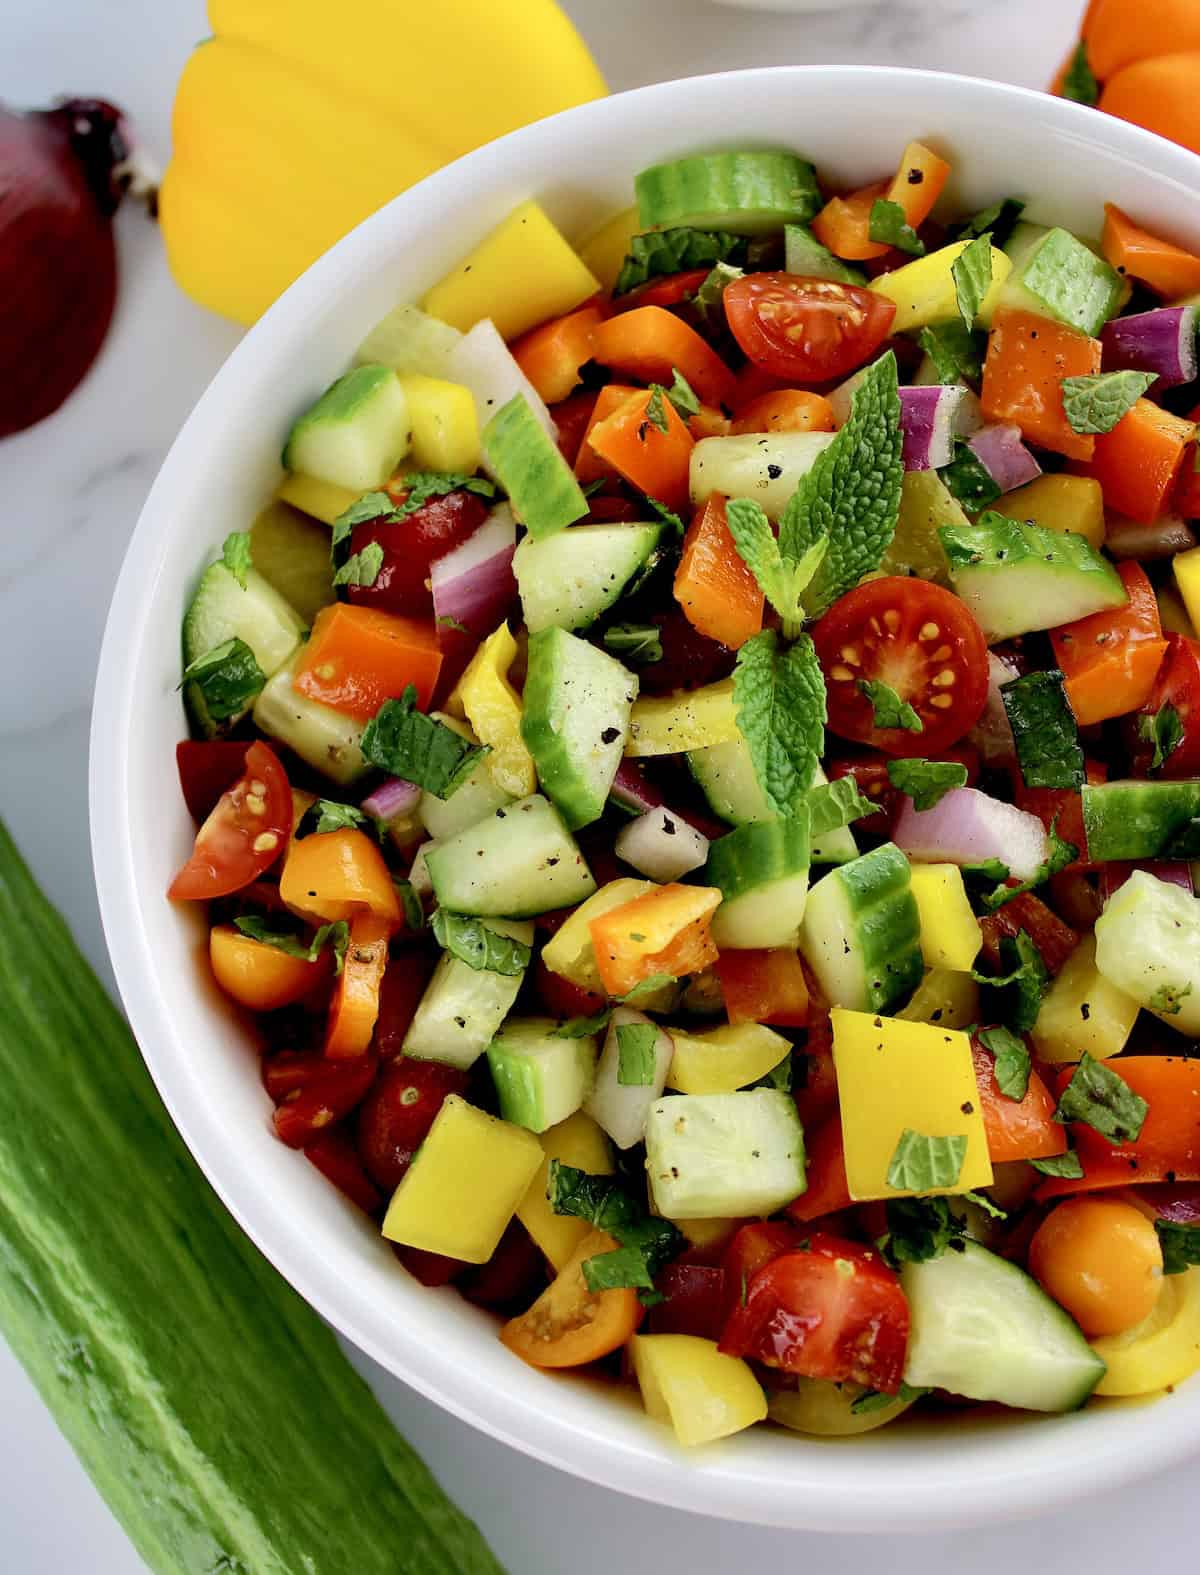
(1067, 1165)
(1165, 731)
(888, 709)
(889, 226)
(780, 699)
(668, 516)
(423, 485)
(971, 271)
(832, 805)
(235, 555)
(1024, 985)
(682, 395)
(1079, 82)
(371, 506)
(1168, 999)
(1000, 220)
(650, 986)
(336, 935)
(636, 1043)
(481, 948)
(361, 568)
(228, 679)
(1180, 1246)
(955, 352)
(656, 408)
(982, 1201)
(1098, 400)
(646, 1242)
(874, 1400)
(986, 869)
(926, 781)
(328, 815)
(414, 913)
(406, 743)
(1060, 855)
(781, 577)
(1013, 1061)
(1044, 730)
(637, 644)
(711, 293)
(1102, 1100)
(678, 250)
(923, 1163)
(968, 480)
(919, 1229)
(583, 1027)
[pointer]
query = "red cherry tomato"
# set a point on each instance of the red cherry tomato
(871, 775)
(334, 1155)
(689, 660)
(207, 768)
(244, 834)
(408, 972)
(560, 997)
(808, 330)
(814, 1085)
(834, 1311)
(514, 1275)
(571, 417)
(751, 1248)
(429, 1268)
(919, 640)
(312, 1093)
(695, 1299)
(397, 1115)
(1178, 685)
(410, 546)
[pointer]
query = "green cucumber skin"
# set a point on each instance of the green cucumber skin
(567, 580)
(761, 870)
(541, 486)
(1092, 291)
(804, 255)
(540, 1080)
(744, 193)
(204, 1397)
(883, 939)
(1142, 820)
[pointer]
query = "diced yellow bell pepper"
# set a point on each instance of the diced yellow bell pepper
(606, 249)
(1082, 1010)
(700, 1391)
(924, 290)
(722, 1060)
(444, 422)
(826, 1410)
(465, 1184)
(569, 952)
(492, 706)
(950, 933)
(670, 724)
(1187, 578)
(576, 1141)
(1172, 613)
(894, 1076)
(944, 997)
(519, 275)
(708, 1233)
(324, 500)
(1163, 1349)
(1066, 503)
(926, 504)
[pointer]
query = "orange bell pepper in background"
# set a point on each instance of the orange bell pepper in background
(1110, 659)
(654, 461)
(1137, 462)
(1015, 1128)
(333, 874)
(1027, 359)
(1135, 253)
(764, 987)
(355, 1003)
(843, 225)
(825, 1167)
(785, 410)
(1116, 33)
(665, 931)
(1159, 94)
(651, 343)
(260, 976)
(551, 356)
(717, 591)
(358, 657)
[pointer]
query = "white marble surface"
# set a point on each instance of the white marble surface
(71, 492)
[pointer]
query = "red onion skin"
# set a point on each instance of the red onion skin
(58, 264)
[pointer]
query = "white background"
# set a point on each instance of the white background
(71, 491)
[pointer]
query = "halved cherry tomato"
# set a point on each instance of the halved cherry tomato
(408, 972)
(828, 1190)
(207, 768)
(355, 1004)
(243, 836)
(806, 330)
(569, 1325)
(1053, 939)
(752, 1248)
(1177, 684)
(1015, 1128)
(334, 1155)
(1061, 808)
(320, 1092)
(431, 1269)
(259, 976)
(1110, 658)
(921, 641)
(871, 775)
(833, 1311)
(398, 1112)
(560, 997)
(410, 546)
(667, 291)
(694, 1299)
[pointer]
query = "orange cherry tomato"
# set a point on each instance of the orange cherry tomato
(1100, 1259)
(244, 834)
(806, 330)
(331, 874)
(569, 1325)
(260, 976)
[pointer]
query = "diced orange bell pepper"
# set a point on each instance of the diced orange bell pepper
(665, 931)
(825, 1167)
(551, 356)
(358, 657)
(589, 466)
(1138, 461)
(1137, 254)
(764, 987)
(708, 422)
(654, 461)
(1109, 659)
(1015, 1128)
(785, 410)
(332, 874)
(652, 343)
(355, 1004)
(844, 223)
(260, 976)
(717, 591)
(1027, 359)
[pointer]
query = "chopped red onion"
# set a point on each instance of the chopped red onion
(1001, 452)
(1131, 539)
(992, 735)
(392, 798)
(474, 586)
(1161, 341)
(968, 827)
(631, 790)
(931, 418)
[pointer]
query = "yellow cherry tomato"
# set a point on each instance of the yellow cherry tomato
(1163, 1349)
(260, 976)
(1100, 1259)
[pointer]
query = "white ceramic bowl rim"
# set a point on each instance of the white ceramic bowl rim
(872, 1484)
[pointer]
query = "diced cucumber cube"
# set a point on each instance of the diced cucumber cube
(762, 872)
(328, 740)
(541, 1077)
(524, 458)
(724, 1156)
(463, 1007)
(519, 862)
(568, 579)
(862, 932)
(355, 434)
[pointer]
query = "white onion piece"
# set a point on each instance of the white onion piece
(482, 362)
(392, 798)
(661, 846)
(1129, 539)
(621, 1108)
(418, 875)
(1002, 453)
(992, 735)
(967, 827)
(474, 585)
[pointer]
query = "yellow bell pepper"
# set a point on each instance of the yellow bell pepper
(569, 952)
(1163, 1349)
(606, 249)
(1172, 613)
(924, 290)
(323, 500)
(1082, 1010)
(1066, 503)
(944, 997)
(700, 1391)
(445, 426)
(576, 1141)
(950, 933)
(722, 1060)
(290, 130)
(670, 724)
(492, 706)
(1187, 578)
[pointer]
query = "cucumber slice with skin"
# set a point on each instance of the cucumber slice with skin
(862, 932)
(725, 775)
(804, 255)
(567, 580)
(541, 486)
(982, 1328)
(832, 847)
(476, 799)
(355, 434)
(621, 1108)
(745, 193)
(763, 466)
(762, 872)
(724, 1156)
(221, 610)
(1017, 577)
(463, 1007)
(575, 721)
(1056, 275)
(328, 740)
(540, 1079)
(409, 340)
(1142, 820)
(519, 862)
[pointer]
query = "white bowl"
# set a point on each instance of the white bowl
(852, 122)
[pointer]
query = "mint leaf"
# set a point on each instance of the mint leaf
(481, 948)
(1165, 731)
(600, 1200)
(1067, 1165)
(406, 743)
(1097, 401)
(361, 568)
(661, 252)
(1080, 82)
(971, 271)
(832, 805)
(781, 577)
(986, 869)
(919, 1229)
(636, 1043)
(875, 1400)
(656, 408)
(371, 506)
(328, 815)
(1103, 1101)
(955, 352)
(1180, 1246)
(1024, 985)
(650, 986)
(637, 644)
(1060, 855)
(888, 708)
(852, 493)
(583, 1027)
(1000, 220)
(1013, 1062)
(336, 935)
(711, 294)
(646, 1243)
(968, 480)
(235, 555)
(780, 698)
(1168, 999)
(682, 395)
(668, 516)
(926, 781)
(227, 678)
(924, 1164)
(982, 1201)
(889, 226)
(1044, 730)
(423, 485)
